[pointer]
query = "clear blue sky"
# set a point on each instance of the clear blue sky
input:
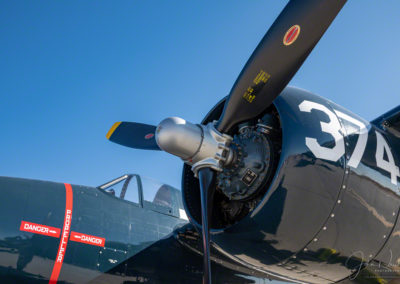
(69, 70)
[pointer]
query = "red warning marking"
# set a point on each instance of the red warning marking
(291, 35)
(87, 239)
(149, 136)
(39, 229)
(64, 237)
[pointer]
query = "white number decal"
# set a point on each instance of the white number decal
(362, 138)
(389, 166)
(332, 128)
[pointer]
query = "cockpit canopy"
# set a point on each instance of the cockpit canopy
(147, 193)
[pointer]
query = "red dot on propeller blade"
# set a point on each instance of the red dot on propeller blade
(149, 136)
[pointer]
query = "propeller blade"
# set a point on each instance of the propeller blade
(207, 187)
(277, 58)
(133, 135)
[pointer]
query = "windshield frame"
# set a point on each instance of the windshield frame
(127, 178)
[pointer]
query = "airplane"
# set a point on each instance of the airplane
(293, 186)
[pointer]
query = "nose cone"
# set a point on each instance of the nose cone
(179, 137)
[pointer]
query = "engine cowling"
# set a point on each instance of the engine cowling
(310, 213)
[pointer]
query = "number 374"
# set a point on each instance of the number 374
(334, 128)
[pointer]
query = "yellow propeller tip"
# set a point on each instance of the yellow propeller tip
(112, 129)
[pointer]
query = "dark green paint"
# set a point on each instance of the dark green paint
(134, 236)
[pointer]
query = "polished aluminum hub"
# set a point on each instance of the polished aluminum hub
(197, 145)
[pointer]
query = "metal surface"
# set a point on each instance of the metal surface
(206, 181)
(94, 213)
(389, 122)
(251, 165)
(277, 58)
(133, 135)
(321, 220)
(140, 243)
(274, 62)
(200, 146)
(114, 181)
(179, 137)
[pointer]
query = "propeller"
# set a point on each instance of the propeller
(133, 135)
(272, 65)
(277, 58)
(207, 187)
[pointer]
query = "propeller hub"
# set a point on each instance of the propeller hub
(200, 146)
